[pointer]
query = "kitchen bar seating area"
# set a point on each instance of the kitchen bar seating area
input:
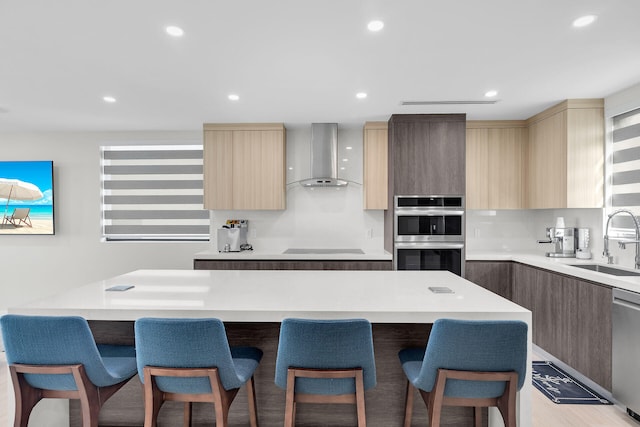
(319, 361)
(396, 322)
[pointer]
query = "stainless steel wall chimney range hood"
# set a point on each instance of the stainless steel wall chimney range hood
(324, 157)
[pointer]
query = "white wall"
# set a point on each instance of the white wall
(35, 266)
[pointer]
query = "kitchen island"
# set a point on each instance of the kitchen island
(252, 303)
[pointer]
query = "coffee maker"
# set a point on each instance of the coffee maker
(565, 240)
(232, 237)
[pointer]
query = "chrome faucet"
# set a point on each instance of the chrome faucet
(622, 244)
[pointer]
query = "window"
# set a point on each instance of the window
(624, 182)
(153, 193)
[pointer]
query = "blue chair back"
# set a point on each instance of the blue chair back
(325, 344)
(469, 345)
(185, 343)
(55, 340)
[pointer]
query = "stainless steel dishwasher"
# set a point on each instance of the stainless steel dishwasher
(625, 318)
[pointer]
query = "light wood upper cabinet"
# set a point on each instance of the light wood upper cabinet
(375, 168)
(495, 164)
(566, 156)
(244, 166)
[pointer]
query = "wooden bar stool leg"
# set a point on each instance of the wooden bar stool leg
(362, 417)
(477, 415)
(253, 407)
(408, 405)
(188, 410)
(289, 410)
(26, 398)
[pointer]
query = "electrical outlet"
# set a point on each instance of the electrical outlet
(368, 233)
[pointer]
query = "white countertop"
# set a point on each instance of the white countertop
(563, 265)
(275, 255)
(271, 295)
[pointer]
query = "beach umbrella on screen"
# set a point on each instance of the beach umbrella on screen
(18, 190)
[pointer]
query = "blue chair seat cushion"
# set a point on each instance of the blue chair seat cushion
(411, 360)
(464, 345)
(120, 367)
(119, 360)
(245, 361)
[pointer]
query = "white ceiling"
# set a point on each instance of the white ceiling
(302, 61)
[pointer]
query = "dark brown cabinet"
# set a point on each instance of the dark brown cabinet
(571, 319)
(214, 264)
(491, 275)
(427, 154)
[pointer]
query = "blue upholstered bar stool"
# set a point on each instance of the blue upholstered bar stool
(468, 363)
(189, 360)
(57, 357)
(325, 361)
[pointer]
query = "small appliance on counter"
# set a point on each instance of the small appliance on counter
(565, 240)
(232, 237)
(583, 251)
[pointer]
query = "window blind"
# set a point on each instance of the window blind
(153, 192)
(625, 169)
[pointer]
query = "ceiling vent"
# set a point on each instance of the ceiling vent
(448, 102)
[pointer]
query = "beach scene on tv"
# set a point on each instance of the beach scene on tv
(26, 197)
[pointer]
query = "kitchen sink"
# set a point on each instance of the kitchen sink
(607, 270)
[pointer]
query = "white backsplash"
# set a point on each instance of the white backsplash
(318, 217)
(314, 218)
(519, 230)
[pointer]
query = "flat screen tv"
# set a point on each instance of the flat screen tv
(26, 197)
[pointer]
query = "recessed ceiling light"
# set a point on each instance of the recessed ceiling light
(109, 99)
(233, 97)
(361, 95)
(583, 21)
(348, 148)
(345, 160)
(375, 25)
(491, 93)
(174, 31)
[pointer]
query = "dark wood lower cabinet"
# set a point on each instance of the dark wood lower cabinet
(491, 275)
(214, 264)
(571, 319)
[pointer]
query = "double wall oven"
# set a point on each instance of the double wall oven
(428, 233)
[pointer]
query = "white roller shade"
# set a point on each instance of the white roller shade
(153, 192)
(625, 168)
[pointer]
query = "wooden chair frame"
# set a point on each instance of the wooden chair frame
(91, 397)
(293, 398)
(221, 398)
(435, 399)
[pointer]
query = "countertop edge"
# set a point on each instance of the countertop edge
(563, 266)
(274, 256)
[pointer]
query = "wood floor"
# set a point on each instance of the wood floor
(545, 412)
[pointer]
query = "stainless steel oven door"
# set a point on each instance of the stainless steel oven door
(424, 225)
(430, 256)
